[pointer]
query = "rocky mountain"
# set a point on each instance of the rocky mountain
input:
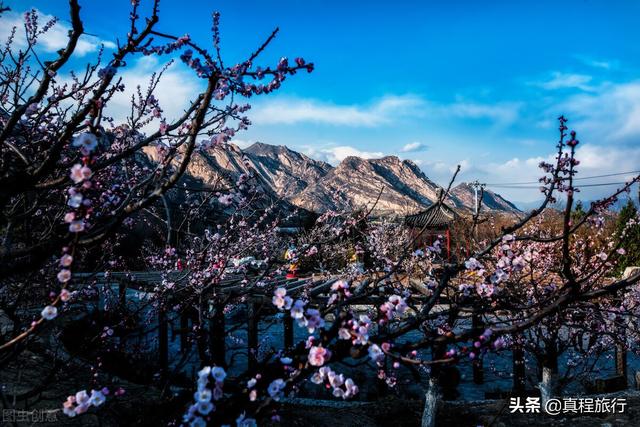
(388, 184)
(286, 171)
(279, 170)
(490, 201)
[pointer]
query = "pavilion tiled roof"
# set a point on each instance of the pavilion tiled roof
(435, 216)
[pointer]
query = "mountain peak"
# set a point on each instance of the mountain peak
(394, 185)
(260, 148)
(352, 161)
(387, 159)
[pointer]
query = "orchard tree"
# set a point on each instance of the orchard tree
(628, 231)
(542, 289)
(71, 177)
(73, 181)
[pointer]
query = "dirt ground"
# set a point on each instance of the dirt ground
(140, 407)
(396, 413)
(60, 374)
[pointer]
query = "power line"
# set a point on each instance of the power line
(599, 185)
(533, 186)
(575, 179)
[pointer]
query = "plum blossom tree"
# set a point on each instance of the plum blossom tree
(534, 287)
(74, 185)
(72, 178)
(64, 158)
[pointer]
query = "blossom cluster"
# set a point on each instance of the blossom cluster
(310, 318)
(205, 394)
(509, 261)
(394, 307)
(356, 330)
(340, 290)
(166, 48)
(80, 174)
(318, 355)
(81, 402)
(343, 388)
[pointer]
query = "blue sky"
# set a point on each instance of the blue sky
(442, 83)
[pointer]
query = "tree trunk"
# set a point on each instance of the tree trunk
(478, 372)
(430, 404)
(518, 369)
(548, 385)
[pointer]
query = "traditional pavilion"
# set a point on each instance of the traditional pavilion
(436, 220)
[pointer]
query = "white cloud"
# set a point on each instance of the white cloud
(336, 154)
(178, 85)
(501, 113)
(598, 63)
(53, 40)
(413, 147)
(294, 110)
(594, 160)
(465, 166)
(560, 80)
(242, 143)
(610, 114)
(439, 166)
(385, 111)
(597, 160)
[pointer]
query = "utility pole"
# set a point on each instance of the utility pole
(476, 184)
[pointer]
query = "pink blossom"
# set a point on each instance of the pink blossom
(297, 310)
(64, 275)
(76, 226)
(275, 388)
(485, 290)
(163, 127)
(335, 380)
(218, 373)
(313, 320)
(96, 398)
(280, 299)
(472, 264)
(75, 200)
(225, 199)
(344, 334)
(79, 173)
(375, 353)
(318, 355)
(49, 312)
(86, 141)
(351, 389)
(68, 407)
(82, 398)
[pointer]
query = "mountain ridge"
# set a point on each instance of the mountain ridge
(384, 185)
